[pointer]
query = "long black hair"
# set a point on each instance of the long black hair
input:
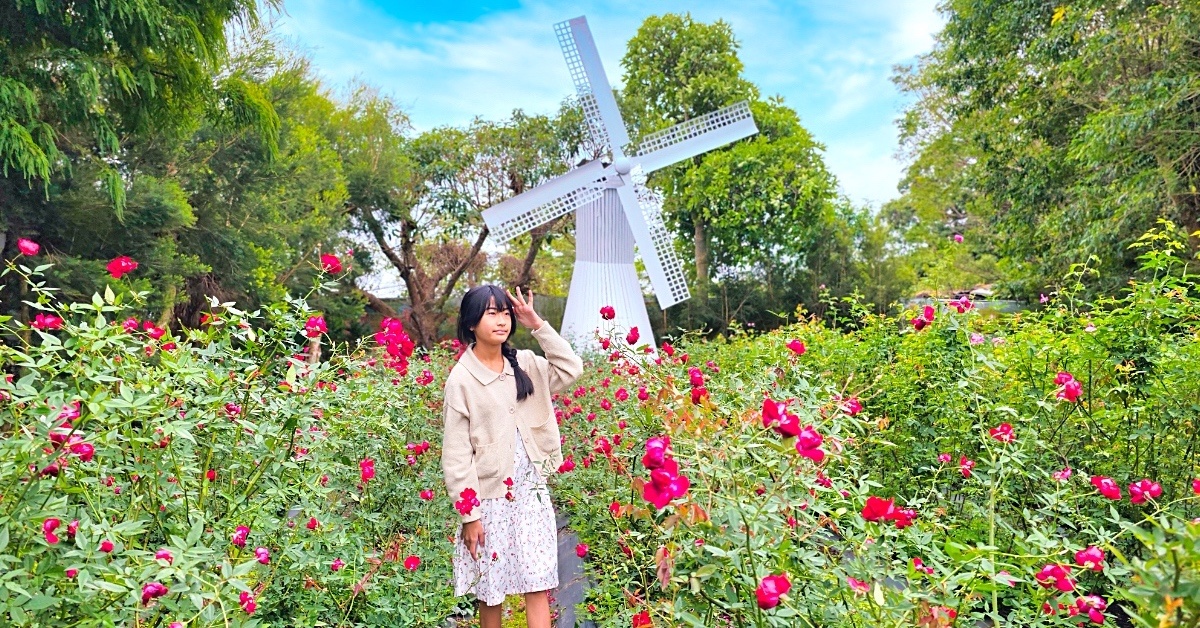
(474, 303)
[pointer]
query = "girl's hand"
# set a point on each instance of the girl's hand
(472, 536)
(524, 310)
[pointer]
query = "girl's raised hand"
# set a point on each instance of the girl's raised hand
(524, 309)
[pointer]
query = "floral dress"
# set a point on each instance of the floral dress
(520, 551)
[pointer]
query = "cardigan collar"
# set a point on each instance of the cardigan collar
(477, 368)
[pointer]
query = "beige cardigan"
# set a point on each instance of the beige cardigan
(481, 412)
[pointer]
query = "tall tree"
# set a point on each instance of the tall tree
(77, 76)
(237, 203)
(420, 198)
(763, 200)
(755, 211)
(675, 69)
(1057, 131)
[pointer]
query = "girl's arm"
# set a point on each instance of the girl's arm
(561, 364)
(458, 464)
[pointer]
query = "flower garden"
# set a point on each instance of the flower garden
(947, 468)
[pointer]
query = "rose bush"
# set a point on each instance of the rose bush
(1033, 470)
(938, 468)
(214, 477)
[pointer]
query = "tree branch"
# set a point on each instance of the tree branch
(536, 237)
(378, 304)
(462, 267)
(377, 230)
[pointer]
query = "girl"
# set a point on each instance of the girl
(500, 441)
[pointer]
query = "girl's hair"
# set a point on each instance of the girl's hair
(474, 303)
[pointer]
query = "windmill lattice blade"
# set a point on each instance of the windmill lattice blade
(545, 202)
(643, 209)
(583, 89)
(698, 135)
(592, 86)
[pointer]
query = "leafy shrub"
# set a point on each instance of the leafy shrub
(945, 468)
(962, 457)
(214, 477)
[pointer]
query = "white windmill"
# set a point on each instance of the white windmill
(614, 208)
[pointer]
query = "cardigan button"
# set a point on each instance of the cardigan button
(511, 410)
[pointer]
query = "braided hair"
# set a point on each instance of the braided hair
(475, 302)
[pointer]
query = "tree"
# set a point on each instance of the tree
(266, 210)
(76, 77)
(237, 203)
(1059, 132)
(763, 200)
(677, 69)
(420, 199)
(755, 210)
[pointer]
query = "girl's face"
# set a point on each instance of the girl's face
(494, 327)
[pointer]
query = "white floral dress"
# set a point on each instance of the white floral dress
(520, 551)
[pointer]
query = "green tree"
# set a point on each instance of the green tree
(754, 211)
(267, 208)
(676, 69)
(236, 204)
(1054, 131)
(76, 77)
(420, 198)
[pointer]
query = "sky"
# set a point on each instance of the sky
(447, 62)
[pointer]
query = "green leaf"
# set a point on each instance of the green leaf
(40, 602)
(705, 571)
(195, 533)
(109, 586)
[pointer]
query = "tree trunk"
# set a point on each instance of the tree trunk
(536, 238)
(701, 246)
(457, 273)
(426, 300)
(378, 304)
(419, 289)
(400, 261)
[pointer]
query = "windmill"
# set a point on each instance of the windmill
(614, 208)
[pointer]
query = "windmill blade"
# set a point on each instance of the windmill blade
(643, 209)
(591, 85)
(698, 135)
(545, 202)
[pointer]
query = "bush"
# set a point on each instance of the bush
(213, 477)
(945, 468)
(958, 480)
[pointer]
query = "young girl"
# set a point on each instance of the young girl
(500, 442)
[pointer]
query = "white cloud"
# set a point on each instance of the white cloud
(866, 175)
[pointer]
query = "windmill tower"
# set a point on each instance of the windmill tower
(614, 209)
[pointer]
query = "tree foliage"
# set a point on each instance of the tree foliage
(76, 77)
(236, 202)
(764, 215)
(1055, 132)
(420, 197)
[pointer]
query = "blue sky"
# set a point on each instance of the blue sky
(447, 62)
